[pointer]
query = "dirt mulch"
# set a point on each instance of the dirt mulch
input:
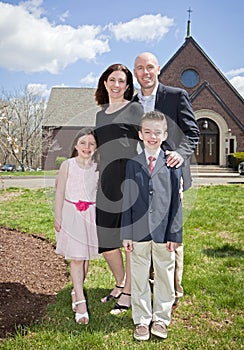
(31, 274)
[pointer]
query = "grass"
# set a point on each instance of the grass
(210, 315)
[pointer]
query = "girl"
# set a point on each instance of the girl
(75, 215)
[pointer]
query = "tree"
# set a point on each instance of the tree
(21, 119)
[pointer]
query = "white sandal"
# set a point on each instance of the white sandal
(79, 316)
(73, 302)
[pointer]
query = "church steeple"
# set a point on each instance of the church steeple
(188, 35)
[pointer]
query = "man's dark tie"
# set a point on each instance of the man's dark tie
(151, 166)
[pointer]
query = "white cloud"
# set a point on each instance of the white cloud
(144, 28)
(32, 44)
(237, 80)
(39, 89)
(235, 72)
(89, 81)
(34, 7)
(238, 83)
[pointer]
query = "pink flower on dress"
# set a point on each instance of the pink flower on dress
(82, 206)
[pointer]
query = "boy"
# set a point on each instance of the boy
(151, 228)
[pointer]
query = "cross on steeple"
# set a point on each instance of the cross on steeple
(188, 35)
(189, 15)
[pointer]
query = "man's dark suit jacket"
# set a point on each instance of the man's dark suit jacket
(152, 208)
(183, 130)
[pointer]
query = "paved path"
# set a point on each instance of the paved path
(49, 181)
(217, 180)
(27, 181)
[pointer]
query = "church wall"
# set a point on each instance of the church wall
(64, 138)
(206, 100)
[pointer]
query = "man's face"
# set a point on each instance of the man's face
(146, 71)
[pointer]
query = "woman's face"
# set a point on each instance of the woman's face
(116, 85)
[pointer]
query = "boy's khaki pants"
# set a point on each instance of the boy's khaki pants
(179, 259)
(144, 310)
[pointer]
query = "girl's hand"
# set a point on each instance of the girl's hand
(128, 245)
(57, 226)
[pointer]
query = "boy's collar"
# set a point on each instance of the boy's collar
(148, 154)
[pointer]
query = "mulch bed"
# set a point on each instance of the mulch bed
(31, 274)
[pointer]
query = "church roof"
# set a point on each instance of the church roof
(205, 85)
(68, 106)
(189, 40)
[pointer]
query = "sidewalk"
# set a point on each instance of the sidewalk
(202, 176)
(214, 175)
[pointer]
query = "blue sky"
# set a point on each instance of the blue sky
(46, 43)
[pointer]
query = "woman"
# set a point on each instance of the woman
(117, 138)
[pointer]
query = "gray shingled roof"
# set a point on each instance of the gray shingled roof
(69, 106)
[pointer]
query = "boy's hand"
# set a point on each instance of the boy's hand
(128, 245)
(171, 246)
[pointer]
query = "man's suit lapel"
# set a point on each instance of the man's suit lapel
(160, 97)
(135, 98)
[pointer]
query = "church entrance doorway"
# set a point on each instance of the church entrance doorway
(207, 151)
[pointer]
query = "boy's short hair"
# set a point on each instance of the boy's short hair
(154, 115)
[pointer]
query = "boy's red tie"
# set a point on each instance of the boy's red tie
(151, 166)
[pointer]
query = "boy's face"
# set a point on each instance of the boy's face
(152, 134)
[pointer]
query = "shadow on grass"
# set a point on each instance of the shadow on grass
(225, 251)
(60, 314)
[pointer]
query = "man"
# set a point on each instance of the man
(183, 131)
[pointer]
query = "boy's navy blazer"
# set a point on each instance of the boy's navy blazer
(152, 206)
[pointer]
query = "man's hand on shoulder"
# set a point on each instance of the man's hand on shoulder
(174, 159)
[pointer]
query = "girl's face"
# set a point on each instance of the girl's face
(116, 85)
(86, 146)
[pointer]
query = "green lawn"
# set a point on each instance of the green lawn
(210, 315)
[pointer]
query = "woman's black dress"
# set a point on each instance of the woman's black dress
(117, 139)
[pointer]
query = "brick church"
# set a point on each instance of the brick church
(217, 105)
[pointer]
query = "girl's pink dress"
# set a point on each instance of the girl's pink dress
(77, 239)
